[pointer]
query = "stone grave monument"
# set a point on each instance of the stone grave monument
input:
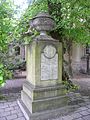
(43, 93)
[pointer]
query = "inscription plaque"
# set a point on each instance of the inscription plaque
(49, 63)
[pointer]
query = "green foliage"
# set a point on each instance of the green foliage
(76, 20)
(2, 97)
(69, 85)
(6, 28)
(1, 74)
(6, 16)
(4, 74)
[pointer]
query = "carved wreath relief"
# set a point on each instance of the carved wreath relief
(49, 63)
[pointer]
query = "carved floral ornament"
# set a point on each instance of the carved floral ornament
(49, 51)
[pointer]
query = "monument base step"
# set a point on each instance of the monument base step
(45, 103)
(46, 115)
(37, 93)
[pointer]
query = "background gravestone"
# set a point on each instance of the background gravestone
(43, 92)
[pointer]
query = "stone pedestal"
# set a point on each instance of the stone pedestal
(43, 92)
(76, 57)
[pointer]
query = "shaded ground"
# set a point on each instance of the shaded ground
(15, 83)
(12, 89)
(84, 85)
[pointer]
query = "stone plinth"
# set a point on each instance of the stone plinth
(42, 99)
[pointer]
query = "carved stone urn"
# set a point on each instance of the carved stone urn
(42, 22)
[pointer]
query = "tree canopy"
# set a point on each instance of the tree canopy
(6, 16)
(72, 18)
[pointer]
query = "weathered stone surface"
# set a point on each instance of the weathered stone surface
(54, 114)
(11, 117)
(34, 52)
(44, 104)
(3, 118)
(43, 92)
(42, 22)
(86, 117)
(84, 113)
(21, 118)
(9, 112)
(5, 114)
(68, 117)
(76, 115)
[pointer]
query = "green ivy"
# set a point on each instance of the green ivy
(70, 86)
(1, 75)
(4, 74)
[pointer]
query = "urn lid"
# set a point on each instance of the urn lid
(42, 22)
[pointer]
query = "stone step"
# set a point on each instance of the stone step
(44, 103)
(48, 114)
(43, 92)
